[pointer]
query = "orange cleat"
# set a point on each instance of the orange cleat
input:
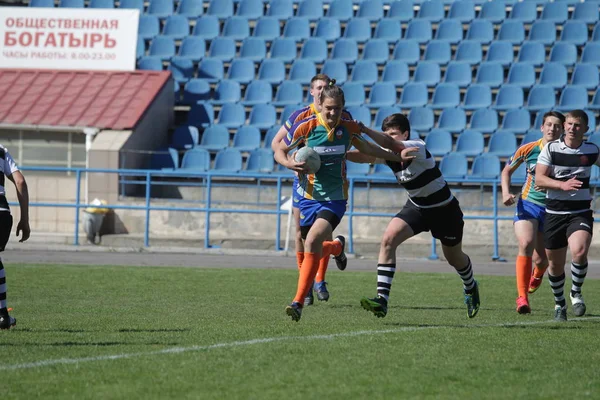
(534, 284)
(523, 305)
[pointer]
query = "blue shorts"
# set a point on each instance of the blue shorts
(295, 196)
(332, 211)
(527, 210)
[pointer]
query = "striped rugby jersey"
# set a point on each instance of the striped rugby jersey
(566, 163)
(528, 154)
(421, 178)
(329, 182)
(7, 167)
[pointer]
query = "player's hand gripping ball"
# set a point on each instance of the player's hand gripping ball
(311, 157)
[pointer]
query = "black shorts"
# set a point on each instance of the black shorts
(6, 222)
(558, 228)
(445, 223)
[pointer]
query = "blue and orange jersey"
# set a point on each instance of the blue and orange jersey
(528, 154)
(329, 182)
(307, 112)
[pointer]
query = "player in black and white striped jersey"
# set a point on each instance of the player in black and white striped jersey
(431, 206)
(564, 168)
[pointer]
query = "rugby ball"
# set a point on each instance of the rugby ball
(311, 157)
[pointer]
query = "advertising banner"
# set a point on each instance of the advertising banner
(68, 38)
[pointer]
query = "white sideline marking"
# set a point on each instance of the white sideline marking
(174, 350)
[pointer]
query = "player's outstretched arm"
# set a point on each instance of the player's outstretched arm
(23, 196)
(382, 139)
(375, 151)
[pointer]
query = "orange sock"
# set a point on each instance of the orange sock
(332, 248)
(538, 272)
(299, 258)
(309, 268)
(323, 264)
(523, 275)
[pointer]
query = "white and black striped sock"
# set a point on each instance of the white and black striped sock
(466, 275)
(2, 287)
(578, 273)
(557, 283)
(385, 275)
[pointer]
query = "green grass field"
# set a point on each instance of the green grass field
(143, 332)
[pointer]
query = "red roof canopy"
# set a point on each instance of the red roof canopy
(101, 99)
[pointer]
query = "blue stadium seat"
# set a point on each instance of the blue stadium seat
(311, 9)
(596, 32)
(328, 29)
(41, 3)
(287, 112)
(258, 92)
(463, 11)
(586, 12)
(267, 28)
(517, 120)
(283, 49)
(196, 159)
(297, 28)
(251, 9)
(458, 73)
(387, 29)
(477, 96)
(263, 116)
(231, 116)
(228, 160)
(382, 113)
(414, 94)
(222, 48)
(254, 49)
(595, 104)
(493, 11)
(241, 70)
(132, 4)
(365, 72)
(572, 97)
(221, 9)
(270, 135)
(182, 69)
(480, 31)
(184, 137)
(345, 50)
(521, 74)
(525, 12)
(407, 51)
(382, 171)
(396, 72)
(176, 27)
(302, 71)
(207, 27)
(164, 158)
(485, 166)
(382, 94)
(427, 72)
(591, 53)
(585, 75)
(421, 119)
(438, 51)
(356, 169)
(149, 26)
(227, 91)
(282, 9)
(160, 8)
(490, 73)
(454, 166)
(192, 48)
(432, 10)
(575, 32)
(272, 70)
(591, 120)
(214, 138)
(150, 63)
(502, 144)
(162, 47)
(543, 31)
(533, 53)
(470, 143)
(438, 142)
(541, 97)
(191, 9)
(360, 113)
(419, 30)
(376, 50)
(453, 120)
(236, 28)
(556, 12)
(72, 4)
(564, 53)
(370, 9)
(445, 95)
(336, 69)
(201, 114)
(402, 11)
(501, 52)
(342, 10)
(314, 49)
(484, 120)
(211, 70)
(354, 94)
(260, 161)
(289, 92)
(450, 30)
(358, 29)
(469, 51)
(531, 136)
(512, 31)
